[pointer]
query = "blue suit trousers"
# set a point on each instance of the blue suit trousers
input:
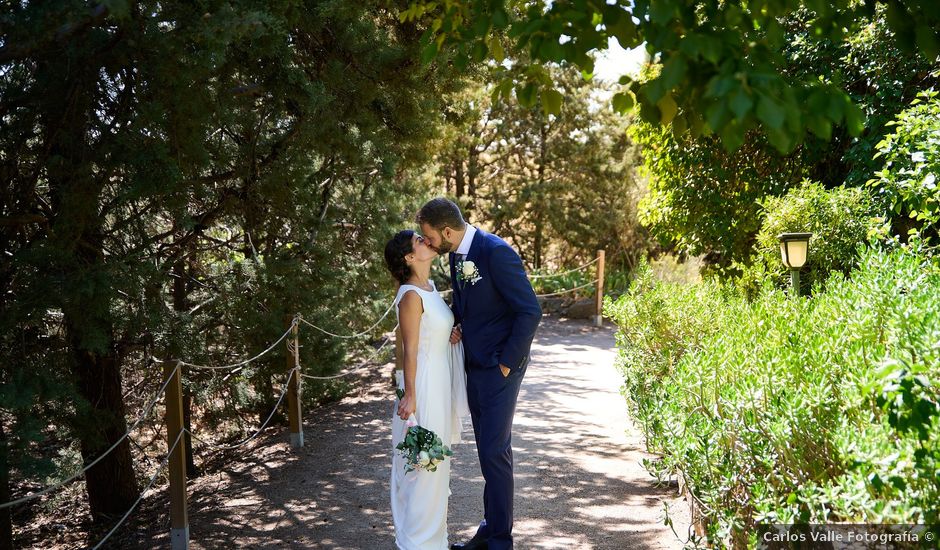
(492, 400)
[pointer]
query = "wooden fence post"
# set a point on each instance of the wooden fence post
(179, 519)
(294, 386)
(599, 295)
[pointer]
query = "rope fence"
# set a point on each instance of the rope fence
(171, 390)
(573, 270)
(257, 432)
(566, 291)
(54, 486)
(246, 361)
(143, 493)
(374, 354)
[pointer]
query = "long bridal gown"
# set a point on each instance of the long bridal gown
(419, 498)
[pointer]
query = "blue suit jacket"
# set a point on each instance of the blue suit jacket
(499, 313)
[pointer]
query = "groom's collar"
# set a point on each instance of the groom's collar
(464, 246)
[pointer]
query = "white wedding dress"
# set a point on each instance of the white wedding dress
(419, 498)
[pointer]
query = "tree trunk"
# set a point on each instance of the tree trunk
(538, 197)
(459, 178)
(6, 522)
(473, 170)
(111, 483)
(68, 107)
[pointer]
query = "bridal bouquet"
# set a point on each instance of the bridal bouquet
(422, 449)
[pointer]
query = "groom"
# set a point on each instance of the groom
(496, 313)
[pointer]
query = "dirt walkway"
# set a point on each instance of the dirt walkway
(579, 481)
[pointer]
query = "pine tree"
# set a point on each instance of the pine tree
(178, 177)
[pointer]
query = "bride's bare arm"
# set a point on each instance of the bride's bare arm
(410, 309)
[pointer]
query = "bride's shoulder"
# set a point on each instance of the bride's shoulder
(409, 291)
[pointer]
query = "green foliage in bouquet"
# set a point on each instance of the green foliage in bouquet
(782, 410)
(423, 449)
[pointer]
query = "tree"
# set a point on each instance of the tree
(706, 200)
(178, 178)
(559, 186)
(723, 62)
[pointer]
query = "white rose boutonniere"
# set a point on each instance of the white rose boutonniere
(467, 272)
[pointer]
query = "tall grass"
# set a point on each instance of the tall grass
(782, 410)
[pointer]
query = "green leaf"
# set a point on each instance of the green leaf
(732, 136)
(624, 30)
(500, 18)
(551, 101)
(429, 52)
(662, 11)
(673, 71)
(820, 126)
(718, 86)
(551, 50)
(711, 48)
(479, 51)
(667, 108)
(717, 115)
(770, 112)
(679, 127)
(622, 102)
(854, 119)
(496, 49)
(741, 103)
(526, 95)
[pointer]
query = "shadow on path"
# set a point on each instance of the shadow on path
(579, 482)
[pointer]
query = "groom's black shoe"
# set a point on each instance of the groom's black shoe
(476, 543)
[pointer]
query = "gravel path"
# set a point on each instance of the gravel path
(579, 479)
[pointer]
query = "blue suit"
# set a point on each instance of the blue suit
(498, 314)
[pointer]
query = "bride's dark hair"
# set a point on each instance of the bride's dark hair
(395, 251)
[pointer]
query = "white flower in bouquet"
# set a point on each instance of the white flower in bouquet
(422, 449)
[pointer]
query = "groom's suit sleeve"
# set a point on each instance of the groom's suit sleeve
(513, 286)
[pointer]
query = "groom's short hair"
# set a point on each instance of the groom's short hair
(440, 213)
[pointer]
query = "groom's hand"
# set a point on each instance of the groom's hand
(455, 335)
(505, 370)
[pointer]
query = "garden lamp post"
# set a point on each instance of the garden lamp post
(794, 248)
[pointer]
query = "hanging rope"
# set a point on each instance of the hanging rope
(141, 418)
(356, 368)
(259, 430)
(240, 363)
(143, 493)
(560, 292)
(349, 336)
(579, 268)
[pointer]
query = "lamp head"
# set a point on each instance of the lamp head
(794, 249)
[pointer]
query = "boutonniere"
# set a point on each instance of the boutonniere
(467, 272)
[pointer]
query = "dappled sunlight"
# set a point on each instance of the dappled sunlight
(579, 482)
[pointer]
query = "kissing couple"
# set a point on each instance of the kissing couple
(471, 357)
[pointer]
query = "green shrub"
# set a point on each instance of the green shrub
(841, 220)
(788, 410)
(908, 184)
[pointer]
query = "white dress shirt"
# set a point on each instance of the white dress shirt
(464, 247)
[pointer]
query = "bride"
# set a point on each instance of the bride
(434, 385)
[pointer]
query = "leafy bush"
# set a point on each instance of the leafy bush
(841, 220)
(908, 184)
(792, 410)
